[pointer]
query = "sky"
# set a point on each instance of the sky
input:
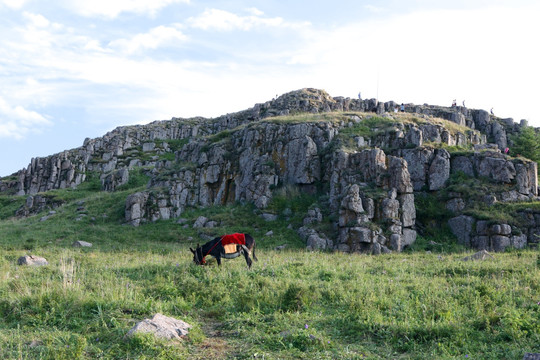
(72, 69)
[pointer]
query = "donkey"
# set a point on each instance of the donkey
(226, 246)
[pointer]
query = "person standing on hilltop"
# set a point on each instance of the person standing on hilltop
(359, 95)
(402, 107)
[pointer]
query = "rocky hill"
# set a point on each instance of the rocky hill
(366, 162)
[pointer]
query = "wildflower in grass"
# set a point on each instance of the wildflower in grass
(306, 326)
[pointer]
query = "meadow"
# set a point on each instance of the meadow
(425, 303)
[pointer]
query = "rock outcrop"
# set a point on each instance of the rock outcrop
(369, 167)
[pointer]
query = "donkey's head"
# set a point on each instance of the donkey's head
(198, 257)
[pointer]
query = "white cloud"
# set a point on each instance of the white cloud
(13, 4)
(36, 20)
(222, 20)
(374, 9)
(156, 37)
(111, 9)
(17, 121)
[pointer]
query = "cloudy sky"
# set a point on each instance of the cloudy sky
(71, 69)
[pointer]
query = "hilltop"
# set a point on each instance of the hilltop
(379, 176)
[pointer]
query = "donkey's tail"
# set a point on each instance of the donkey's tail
(254, 256)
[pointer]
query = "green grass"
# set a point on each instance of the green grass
(291, 305)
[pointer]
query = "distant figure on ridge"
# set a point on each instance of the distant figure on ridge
(359, 95)
(402, 107)
(463, 103)
(492, 111)
(454, 103)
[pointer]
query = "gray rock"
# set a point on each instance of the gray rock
(135, 208)
(269, 217)
(360, 235)
(455, 205)
(390, 209)
(408, 210)
(408, 238)
(269, 233)
(462, 227)
(495, 168)
(32, 260)
(149, 146)
(418, 161)
(480, 242)
(463, 164)
(519, 241)
(531, 356)
(80, 243)
(200, 222)
(400, 178)
(500, 229)
(211, 224)
(313, 216)
(481, 255)
(500, 243)
(162, 327)
(439, 170)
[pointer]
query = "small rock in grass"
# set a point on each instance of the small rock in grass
(481, 255)
(162, 326)
(270, 233)
(81, 243)
(32, 260)
(531, 356)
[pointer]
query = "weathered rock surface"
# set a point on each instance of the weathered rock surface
(32, 260)
(162, 327)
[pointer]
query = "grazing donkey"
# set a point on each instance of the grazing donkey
(226, 246)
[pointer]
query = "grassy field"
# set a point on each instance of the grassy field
(293, 304)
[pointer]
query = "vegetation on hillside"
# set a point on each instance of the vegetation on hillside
(527, 144)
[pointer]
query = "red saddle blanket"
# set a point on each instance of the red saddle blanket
(237, 238)
(230, 242)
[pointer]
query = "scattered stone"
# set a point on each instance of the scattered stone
(200, 222)
(80, 243)
(162, 326)
(270, 233)
(44, 218)
(211, 224)
(32, 260)
(280, 247)
(269, 217)
(481, 255)
(531, 356)
(182, 221)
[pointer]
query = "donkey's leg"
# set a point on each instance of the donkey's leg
(218, 259)
(248, 260)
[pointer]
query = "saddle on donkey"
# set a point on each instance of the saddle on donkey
(233, 245)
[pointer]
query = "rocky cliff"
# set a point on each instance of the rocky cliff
(368, 159)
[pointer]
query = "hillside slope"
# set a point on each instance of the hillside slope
(364, 162)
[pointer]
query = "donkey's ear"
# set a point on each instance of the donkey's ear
(198, 246)
(193, 251)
